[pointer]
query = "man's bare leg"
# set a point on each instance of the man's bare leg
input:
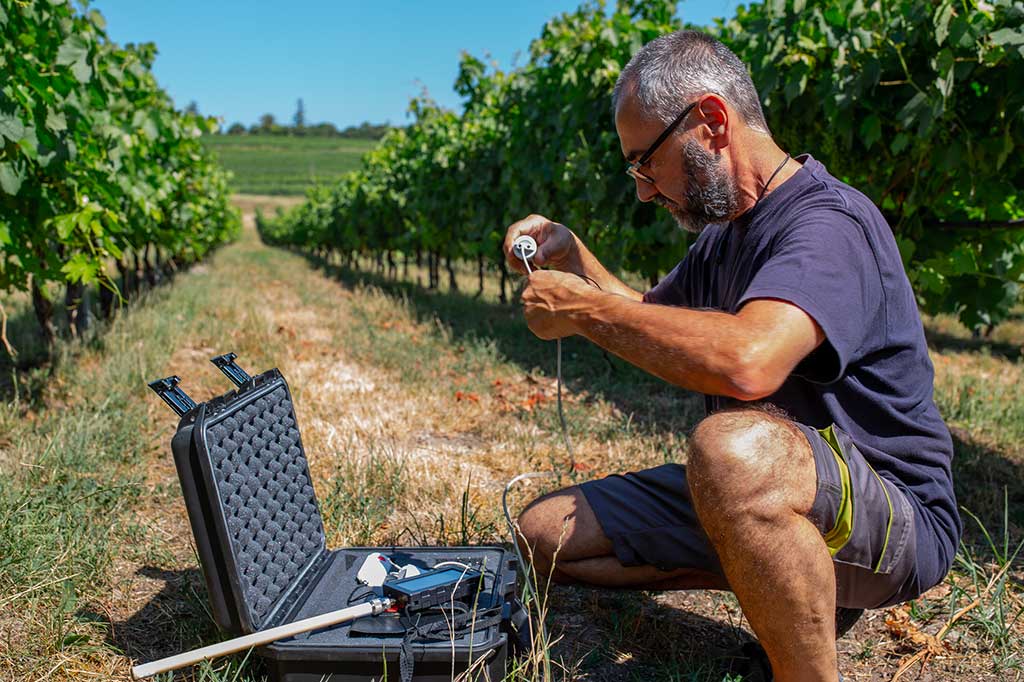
(753, 480)
(561, 528)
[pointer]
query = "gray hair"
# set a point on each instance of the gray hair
(671, 70)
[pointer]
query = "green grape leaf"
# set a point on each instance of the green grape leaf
(82, 71)
(1007, 36)
(149, 129)
(1008, 148)
(912, 110)
(907, 248)
(65, 224)
(942, 18)
(962, 261)
(871, 130)
(11, 127)
(80, 268)
(931, 280)
(74, 49)
(899, 143)
(56, 121)
(11, 178)
(97, 20)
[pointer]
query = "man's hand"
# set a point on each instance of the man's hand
(549, 301)
(556, 244)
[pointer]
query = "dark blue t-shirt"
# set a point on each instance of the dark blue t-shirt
(823, 246)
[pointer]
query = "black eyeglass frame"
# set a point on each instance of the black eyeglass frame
(633, 169)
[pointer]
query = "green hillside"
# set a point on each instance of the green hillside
(278, 164)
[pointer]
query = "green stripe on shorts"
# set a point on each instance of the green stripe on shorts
(841, 533)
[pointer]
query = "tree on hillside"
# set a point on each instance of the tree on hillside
(300, 117)
(366, 131)
(192, 108)
(268, 125)
(236, 129)
(322, 130)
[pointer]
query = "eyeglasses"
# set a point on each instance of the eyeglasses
(633, 169)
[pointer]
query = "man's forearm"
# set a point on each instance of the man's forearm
(705, 351)
(584, 263)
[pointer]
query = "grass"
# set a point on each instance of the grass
(278, 164)
(445, 397)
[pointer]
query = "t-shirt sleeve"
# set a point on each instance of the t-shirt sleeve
(826, 266)
(671, 290)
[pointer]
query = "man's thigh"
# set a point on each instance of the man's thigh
(563, 536)
(648, 518)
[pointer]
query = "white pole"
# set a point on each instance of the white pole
(370, 608)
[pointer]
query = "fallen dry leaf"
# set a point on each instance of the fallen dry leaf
(537, 398)
(907, 634)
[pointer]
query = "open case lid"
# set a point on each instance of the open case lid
(249, 496)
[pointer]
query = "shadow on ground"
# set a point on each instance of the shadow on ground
(991, 487)
(631, 635)
(652, 403)
(611, 635)
(175, 620)
(941, 341)
(23, 375)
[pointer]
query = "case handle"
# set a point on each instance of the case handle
(226, 363)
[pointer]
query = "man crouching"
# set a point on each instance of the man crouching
(821, 475)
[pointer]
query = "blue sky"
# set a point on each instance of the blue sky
(348, 61)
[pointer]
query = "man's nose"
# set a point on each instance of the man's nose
(645, 191)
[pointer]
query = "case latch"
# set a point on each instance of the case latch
(226, 363)
(168, 390)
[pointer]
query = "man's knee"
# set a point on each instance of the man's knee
(749, 461)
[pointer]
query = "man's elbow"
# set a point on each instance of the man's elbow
(754, 376)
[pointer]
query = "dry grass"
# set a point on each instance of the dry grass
(415, 409)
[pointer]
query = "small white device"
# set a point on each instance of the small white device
(377, 568)
(524, 247)
(374, 570)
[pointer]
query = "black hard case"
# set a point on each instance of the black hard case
(261, 543)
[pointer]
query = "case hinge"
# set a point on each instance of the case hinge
(168, 390)
(226, 363)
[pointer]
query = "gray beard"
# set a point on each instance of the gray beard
(711, 193)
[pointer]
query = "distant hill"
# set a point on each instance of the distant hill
(281, 164)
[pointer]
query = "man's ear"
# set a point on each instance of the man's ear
(715, 120)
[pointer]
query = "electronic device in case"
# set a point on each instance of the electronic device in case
(434, 588)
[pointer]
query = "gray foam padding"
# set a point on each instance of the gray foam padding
(262, 478)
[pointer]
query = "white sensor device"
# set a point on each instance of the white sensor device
(374, 570)
(377, 569)
(524, 247)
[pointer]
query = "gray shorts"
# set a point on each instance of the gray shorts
(867, 522)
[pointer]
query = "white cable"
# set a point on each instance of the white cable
(530, 588)
(460, 564)
(561, 414)
(526, 247)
